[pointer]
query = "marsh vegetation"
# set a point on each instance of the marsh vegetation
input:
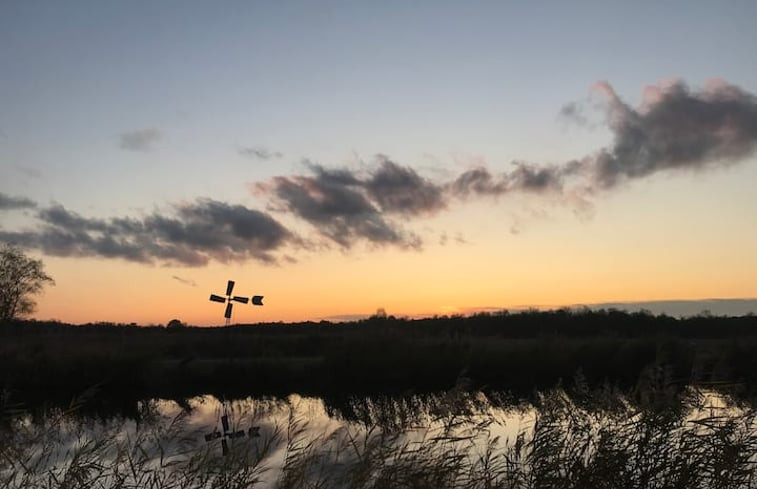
(514, 352)
(677, 438)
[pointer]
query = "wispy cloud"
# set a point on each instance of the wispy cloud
(458, 238)
(140, 139)
(185, 281)
(10, 203)
(28, 171)
(259, 153)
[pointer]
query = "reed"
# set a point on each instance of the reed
(598, 438)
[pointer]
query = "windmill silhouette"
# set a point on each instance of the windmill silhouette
(257, 300)
(228, 434)
(225, 435)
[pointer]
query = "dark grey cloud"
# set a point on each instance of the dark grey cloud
(140, 139)
(684, 308)
(346, 207)
(675, 128)
(338, 212)
(478, 181)
(259, 153)
(192, 235)
(534, 178)
(399, 189)
(9, 203)
(525, 177)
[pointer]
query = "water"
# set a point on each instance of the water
(455, 439)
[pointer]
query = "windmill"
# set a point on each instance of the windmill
(257, 300)
(228, 434)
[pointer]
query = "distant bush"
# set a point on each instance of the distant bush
(174, 324)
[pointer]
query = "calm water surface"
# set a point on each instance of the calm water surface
(270, 436)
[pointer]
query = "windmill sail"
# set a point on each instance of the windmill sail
(226, 434)
(257, 300)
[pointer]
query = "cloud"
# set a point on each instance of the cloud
(458, 238)
(140, 139)
(684, 308)
(11, 203)
(574, 112)
(399, 189)
(478, 181)
(259, 153)
(525, 177)
(339, 212)
(675, 128)
(346, 206)
(192, 235)
(185, 281)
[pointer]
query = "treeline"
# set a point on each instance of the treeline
(518, 352)
(522, 324)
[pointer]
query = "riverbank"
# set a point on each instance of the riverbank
(43, 362)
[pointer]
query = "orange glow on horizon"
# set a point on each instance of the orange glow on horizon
(685, 249)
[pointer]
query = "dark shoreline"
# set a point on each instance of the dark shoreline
(51, 363)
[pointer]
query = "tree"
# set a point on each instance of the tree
(21, 278)
(174, 324)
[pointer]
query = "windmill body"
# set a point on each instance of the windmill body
(229, 300)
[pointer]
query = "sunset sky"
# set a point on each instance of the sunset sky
(340, 157)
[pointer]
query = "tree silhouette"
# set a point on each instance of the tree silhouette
(21, 278)
(174, 324)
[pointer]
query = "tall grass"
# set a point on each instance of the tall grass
(661, 438)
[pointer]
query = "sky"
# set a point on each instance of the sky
(340, 157)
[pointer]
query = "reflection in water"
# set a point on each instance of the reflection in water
(456, 439)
